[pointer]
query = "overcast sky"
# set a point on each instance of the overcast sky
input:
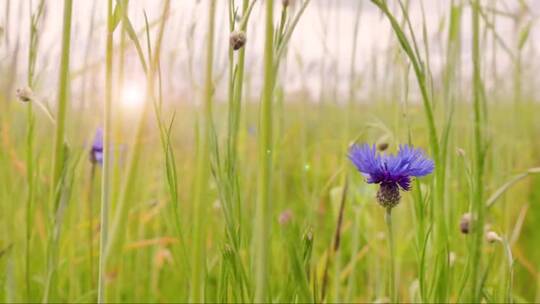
(309, 52)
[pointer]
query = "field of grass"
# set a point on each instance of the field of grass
(236, 198)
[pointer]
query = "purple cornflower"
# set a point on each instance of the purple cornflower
(391, 172)
(96, 152)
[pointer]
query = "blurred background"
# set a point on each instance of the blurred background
(188, 160)
(319, 52)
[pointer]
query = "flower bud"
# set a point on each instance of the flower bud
(382, 146)
(465, 223)
(24, 94)
(237, 40)
(493, 237)
(388, 195)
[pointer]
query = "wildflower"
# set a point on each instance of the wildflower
(285, 217)
(96, 152)
(24, 94)
(391, 172)
(237, 40)
(465, 223)
(493, 237)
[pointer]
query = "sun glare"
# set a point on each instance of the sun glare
(132, 96)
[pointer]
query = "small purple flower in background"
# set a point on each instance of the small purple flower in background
(96, 152)
(391, 172)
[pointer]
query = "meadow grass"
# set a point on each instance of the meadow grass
(251, 197)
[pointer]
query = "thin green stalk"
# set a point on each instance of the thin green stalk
(345, 143)
(352, 279)
(63, 88)
(200, 200)
(30, 118)
(7, 23)
(392, 272)
(479, 206)
(263, 207)
(510, 260)
(438, 149)
(420, 75)
(128, 187)
(90, 199)
(238, 81)
(107, 159)
(229, 179)
(30, 198)
(352, 77)
(58, 164)
(116, 135)
(337, 239)
(86, 64)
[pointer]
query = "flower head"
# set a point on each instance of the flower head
(96, 152)
(391, 172)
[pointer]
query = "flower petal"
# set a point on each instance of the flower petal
(98, 140)
(414, 162)
(367, 161)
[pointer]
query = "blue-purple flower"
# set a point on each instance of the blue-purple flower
(96, 151)
(391, 172)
